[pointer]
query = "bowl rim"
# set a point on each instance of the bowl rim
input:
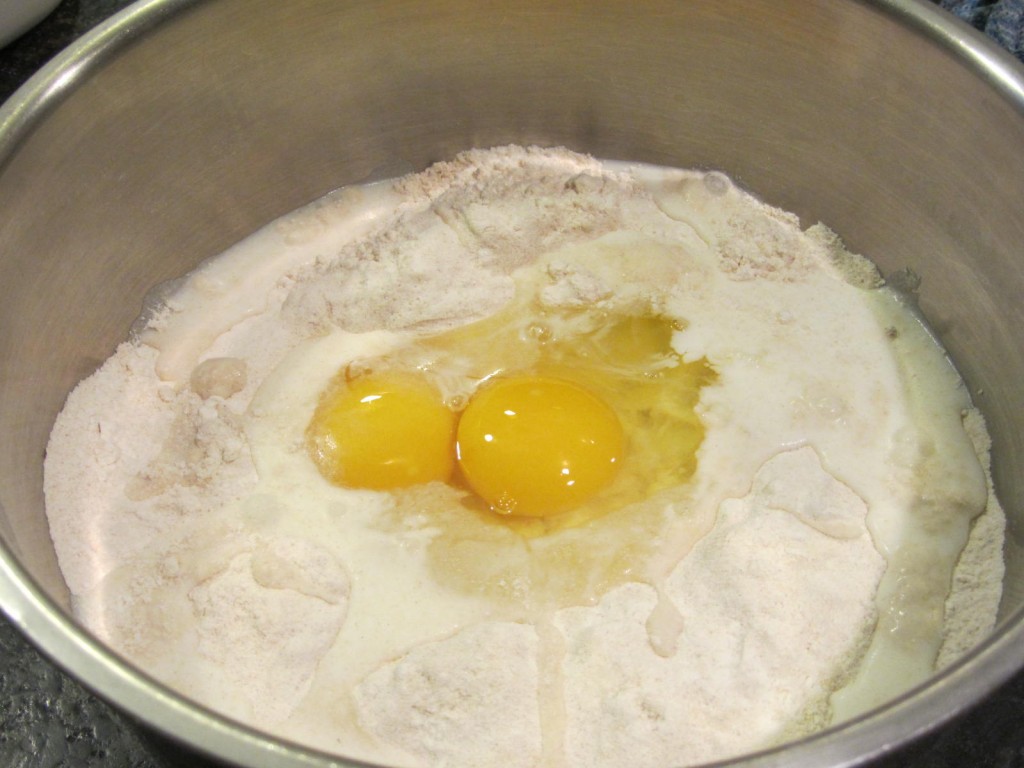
(66, 644)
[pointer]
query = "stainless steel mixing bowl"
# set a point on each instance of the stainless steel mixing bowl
(179, 127)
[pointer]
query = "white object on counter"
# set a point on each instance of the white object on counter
(18, 16)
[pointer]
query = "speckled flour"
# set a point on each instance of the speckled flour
(754, 603)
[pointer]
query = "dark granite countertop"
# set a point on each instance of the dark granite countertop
(48, 720)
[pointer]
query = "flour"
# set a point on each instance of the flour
(160, 449)
(451, 701)
(751, 597)
(972, 604)
(412, 627)
(418, 274)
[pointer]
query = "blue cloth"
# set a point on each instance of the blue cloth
(1002, 20)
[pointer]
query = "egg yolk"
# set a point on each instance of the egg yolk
(382, 431)
(536, 446)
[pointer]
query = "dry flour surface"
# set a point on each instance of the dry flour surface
(801, 575)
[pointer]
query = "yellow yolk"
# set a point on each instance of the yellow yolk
(383, 431)
(590, 383)
(537, 446)
(583, 382)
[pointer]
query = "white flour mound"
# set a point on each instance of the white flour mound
(841, 455)
(754, 628)
(449, 702)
